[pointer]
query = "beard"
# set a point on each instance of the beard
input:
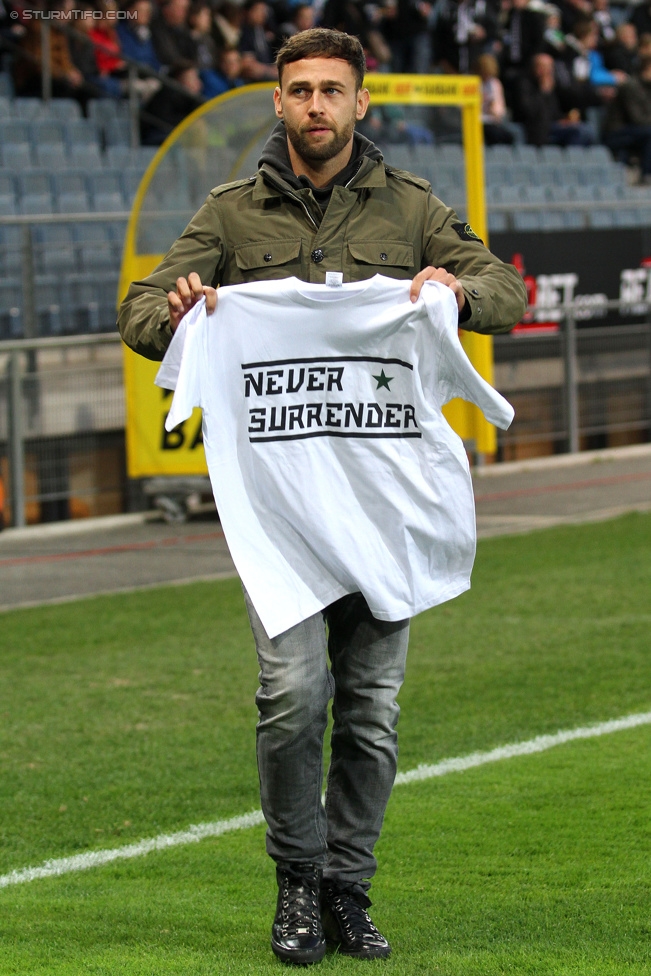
(311, 152)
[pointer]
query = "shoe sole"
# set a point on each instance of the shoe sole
(299, 958)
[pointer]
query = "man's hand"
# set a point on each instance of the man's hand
(188, 292)
(437, 274)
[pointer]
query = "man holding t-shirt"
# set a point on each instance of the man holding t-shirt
(323, 201)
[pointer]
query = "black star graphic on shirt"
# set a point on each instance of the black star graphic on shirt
(383, 380)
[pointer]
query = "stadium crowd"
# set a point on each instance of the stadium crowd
(569, 73)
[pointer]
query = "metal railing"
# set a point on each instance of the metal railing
(62, 426)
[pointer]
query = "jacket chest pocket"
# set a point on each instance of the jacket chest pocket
(267, 260)
(395, 259)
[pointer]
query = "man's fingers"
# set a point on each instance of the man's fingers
(211, 299)
(183, 291)
(417, 283)
(196, 288)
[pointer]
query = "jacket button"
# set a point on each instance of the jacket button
(478, 309)
(475, 293)
(317, 256)
(383, 256)
(267, 257)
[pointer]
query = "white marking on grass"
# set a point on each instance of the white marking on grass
(94, 859)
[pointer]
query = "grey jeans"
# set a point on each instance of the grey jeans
(367, 666)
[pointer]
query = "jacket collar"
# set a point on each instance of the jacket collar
(269, 183)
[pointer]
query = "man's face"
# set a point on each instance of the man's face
(319, 102)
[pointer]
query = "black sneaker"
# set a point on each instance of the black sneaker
(347, 923)
(297, 934)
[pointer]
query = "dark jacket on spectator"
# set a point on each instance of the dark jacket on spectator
(631, 106)
(538, 110)
(172, 44)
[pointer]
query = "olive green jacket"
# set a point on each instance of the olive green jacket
(384, 221)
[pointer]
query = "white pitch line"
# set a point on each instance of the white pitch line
(94, 859)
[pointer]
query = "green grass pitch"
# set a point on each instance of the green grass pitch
(127, 716)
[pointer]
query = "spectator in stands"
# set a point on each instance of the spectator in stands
(82, 51)
(641, 19)
(256, 43)
(572, 11)
(301, 18)
(627, 128)
(493, 113)
(622, 55)
(111, 68)
(200, 24)
(523, 36)
(135, 34)
(554, 37)
(228, 74)
(227, 24)
(586, 62)
(604, 18)
(169, 106)
(464, 29)
(67, 79)
(171, 35)
(548, 110)
(405, 26)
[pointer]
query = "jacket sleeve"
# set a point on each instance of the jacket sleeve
(143, 317)
(495, 293)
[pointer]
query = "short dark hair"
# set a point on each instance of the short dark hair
(321, 42)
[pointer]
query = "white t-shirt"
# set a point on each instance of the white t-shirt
(333, 468)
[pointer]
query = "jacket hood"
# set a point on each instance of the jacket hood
(276, 155)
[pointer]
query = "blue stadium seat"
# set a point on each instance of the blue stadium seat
(551, 220)
(519, 172)
(29, 109)
(627, 217)
(47, 132)
(131, 179)
(11, 260)
(87, 157)
(65, 109)
(536, 194)
(553, 155)
(511, 194)
(611, 193)
(598, 155)
(11, 301)
(6, 85)
(106, 191)
(81, 132)
(526, 154)
(598, 218)
(16, 156)
(117, 133)
(586, 193)
(496, 174)
(499, 154)
(497, 221)
(35, 192)
(51, 156)
(545, 174)
(54, 249)
(71, 191)
(8, 188)
(570, 174)
(399, 156)
(50, 298)
(94, 246)
(15, 131)
(84, 304)
(5, 108)
(574, 219)
(528, 220)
